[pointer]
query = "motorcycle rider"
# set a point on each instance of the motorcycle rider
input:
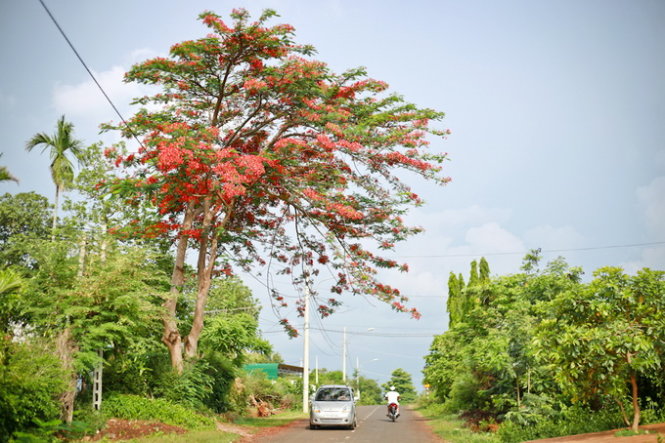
(393, 397)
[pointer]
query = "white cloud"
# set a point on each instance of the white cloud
(652, 201)
(86, 100)
(650, 258)
(550, 237)
(473, 215)
(491, 237)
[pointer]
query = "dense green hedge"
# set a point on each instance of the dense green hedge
(134, 407)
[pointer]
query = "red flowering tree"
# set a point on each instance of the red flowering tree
(254, 154)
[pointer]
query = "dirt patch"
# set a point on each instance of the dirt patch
(234, 429)
(608, 436)
(117, 429)
(421, 421)
(274, 430)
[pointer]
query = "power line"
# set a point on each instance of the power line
(489, 254)
(385, 334)
(71, 45)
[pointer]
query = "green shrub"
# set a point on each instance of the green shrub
(190, 389)
(466, 394)
(569, 421)
(31, 381)
(134, 407)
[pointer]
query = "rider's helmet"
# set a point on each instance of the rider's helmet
(392, 388)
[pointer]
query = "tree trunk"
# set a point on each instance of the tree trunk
(65, 348)
(205, 265)
(623, 412)
(171, 337)
(636, 404)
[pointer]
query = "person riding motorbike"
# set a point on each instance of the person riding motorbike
(392, 396)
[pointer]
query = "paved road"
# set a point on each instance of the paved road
(373, 426)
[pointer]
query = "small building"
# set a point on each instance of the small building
(273, 370)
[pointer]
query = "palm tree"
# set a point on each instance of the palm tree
(5, 175)
(62, 169)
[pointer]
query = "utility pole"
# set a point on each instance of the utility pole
(305, 365)
(344, 356)
(358, 375)
(97, 373)
(317, 370)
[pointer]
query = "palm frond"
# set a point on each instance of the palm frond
(9, 281)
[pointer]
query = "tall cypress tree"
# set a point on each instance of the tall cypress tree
(452, 303)
(484, 271)
(473, 277)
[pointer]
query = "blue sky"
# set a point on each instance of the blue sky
(556, 111)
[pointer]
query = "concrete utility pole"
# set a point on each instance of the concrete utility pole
(358, 375)
(97, 373)
(344, 356)
(305, 365)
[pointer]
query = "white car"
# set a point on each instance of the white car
(333, 405)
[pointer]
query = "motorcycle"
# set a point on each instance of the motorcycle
(392, 411)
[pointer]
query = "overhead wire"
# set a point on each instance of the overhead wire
(94, 79)
(489, 254)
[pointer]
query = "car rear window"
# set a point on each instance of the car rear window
(333, 394)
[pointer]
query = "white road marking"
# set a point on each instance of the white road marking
(370, 414)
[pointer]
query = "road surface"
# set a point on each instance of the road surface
(373, 427)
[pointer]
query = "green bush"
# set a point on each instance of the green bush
(570, 421)
(221, 373)
(134, 407)
(31, 381)
(189, 389)
(466, 394)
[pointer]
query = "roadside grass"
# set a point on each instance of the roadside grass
(451, 428)
(249, 424)
(202, 436)
(279, 419)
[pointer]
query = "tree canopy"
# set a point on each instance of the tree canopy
(255, 155)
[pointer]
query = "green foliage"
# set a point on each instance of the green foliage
(23, 213)
(451, 428)
(327, 377)
(484, 271)
(134, 407)
(61, 145)
(370, 391)
(31, 381)
(188, 389)
(474, 279)
(114, 303)
(546, 353)
(5, 175)
(403, 384)
(283, 393)
(607, 333)
(569, 421)
(10, 286)
(23, 216)
(233, 335)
